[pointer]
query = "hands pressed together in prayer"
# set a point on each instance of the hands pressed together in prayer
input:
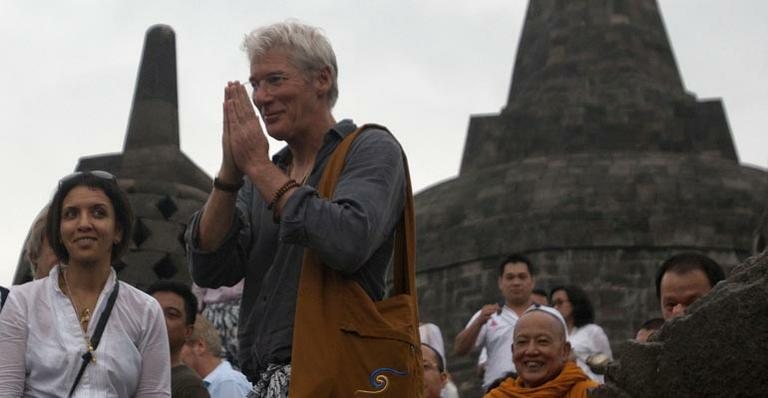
(244, 144)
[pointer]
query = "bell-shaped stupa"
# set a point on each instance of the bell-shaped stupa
(600, 166)
(163, 185)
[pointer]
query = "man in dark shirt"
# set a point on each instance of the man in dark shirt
(259, 230)
(180, 308)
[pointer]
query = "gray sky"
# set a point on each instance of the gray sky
(419, 67)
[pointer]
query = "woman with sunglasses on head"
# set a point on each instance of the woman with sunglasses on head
(587, 339)
(80, 332)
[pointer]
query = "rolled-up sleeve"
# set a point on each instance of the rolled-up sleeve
(366, 205)
(226, 265)
(13, 346)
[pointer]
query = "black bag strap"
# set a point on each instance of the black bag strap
(94, 343)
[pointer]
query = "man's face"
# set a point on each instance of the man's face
(190, 355)
(678, 291)
(516, 283)
(434, 380)
(289, 100)
(175, 319)
(539, 349)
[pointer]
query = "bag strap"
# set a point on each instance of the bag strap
(96, 338)
(405, 243)
(405, 235)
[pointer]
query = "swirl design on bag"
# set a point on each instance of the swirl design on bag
(379, 381)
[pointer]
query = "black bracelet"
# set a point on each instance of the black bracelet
(227, 187)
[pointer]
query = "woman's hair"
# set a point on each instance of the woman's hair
(104, 182)
(35, 241)
(583, 313)
(306, 45)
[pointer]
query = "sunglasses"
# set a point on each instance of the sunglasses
(100, 174)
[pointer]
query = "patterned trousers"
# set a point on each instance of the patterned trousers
(224, 317)
(273, 382)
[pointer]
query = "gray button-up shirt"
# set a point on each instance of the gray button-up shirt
(352, 233)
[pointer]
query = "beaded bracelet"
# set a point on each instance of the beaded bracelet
(280, 192)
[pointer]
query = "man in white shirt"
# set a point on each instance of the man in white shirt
(491, 327)
(202, 353)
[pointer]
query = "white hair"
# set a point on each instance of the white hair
(205, 331)
(307, 46)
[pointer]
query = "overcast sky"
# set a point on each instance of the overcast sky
(419, 67)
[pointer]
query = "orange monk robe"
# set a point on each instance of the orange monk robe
(570, 383)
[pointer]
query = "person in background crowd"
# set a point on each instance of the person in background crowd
(180, 308)
(491, 327)
(430, 335)
(586, 338)
(49, 327)
(202, 353)
(222, 308)
(37, 250)
(539, 296)
(648, 328)
(684, 278)
(434, 371)
(542, 358)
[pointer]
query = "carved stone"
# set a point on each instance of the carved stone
(600, 166)
(163, 185)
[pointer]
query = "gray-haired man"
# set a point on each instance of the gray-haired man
(259, 230)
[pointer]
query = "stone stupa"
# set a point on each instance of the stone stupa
(163, 185)
(600, 166)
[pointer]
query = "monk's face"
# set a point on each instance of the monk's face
(539, 349)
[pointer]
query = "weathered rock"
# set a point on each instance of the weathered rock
(760, 241)
(718, 349)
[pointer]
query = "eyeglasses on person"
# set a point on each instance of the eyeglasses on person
(269, 84)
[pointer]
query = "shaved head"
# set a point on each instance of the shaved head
(554, 325)
(539, 347)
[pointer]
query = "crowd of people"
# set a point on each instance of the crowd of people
(548, 345)
(245, 327)
(326, 214)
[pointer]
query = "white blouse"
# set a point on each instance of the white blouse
(586, 341)
(41, 344)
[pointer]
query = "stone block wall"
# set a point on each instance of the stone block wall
(719, 349)
(619, 281)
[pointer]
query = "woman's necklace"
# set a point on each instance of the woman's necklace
(85, 316)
